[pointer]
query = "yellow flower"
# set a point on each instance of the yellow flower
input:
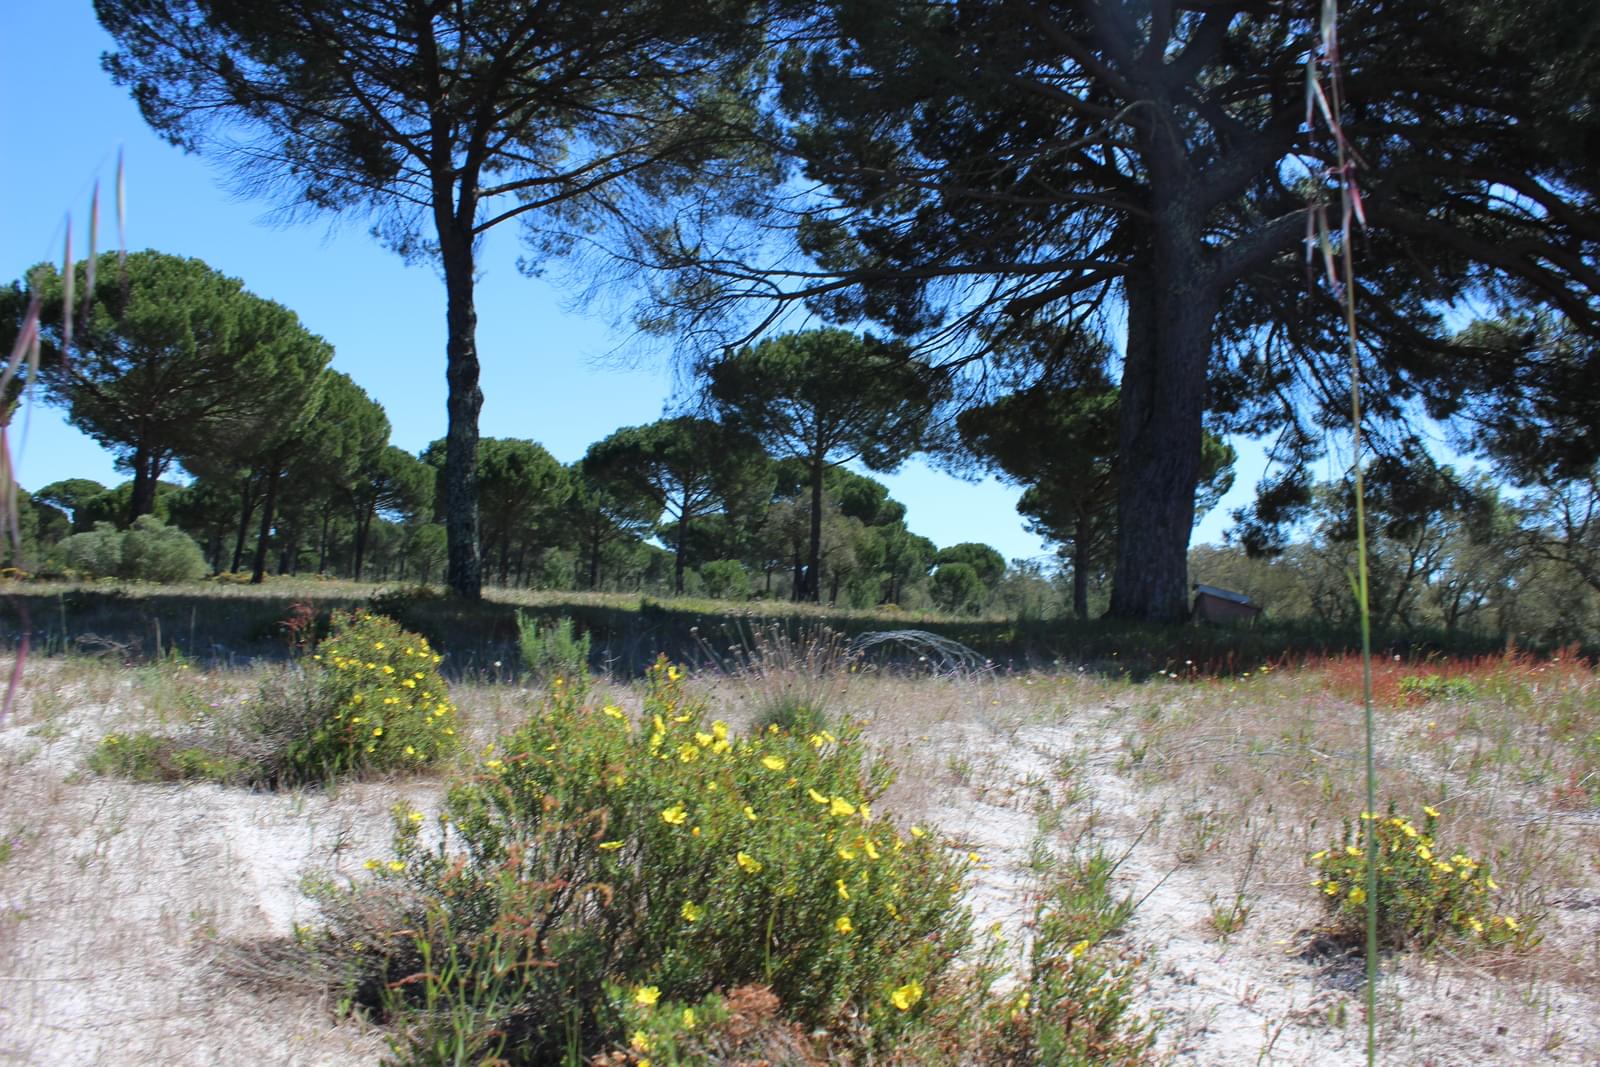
(372, 865)
(688, 1018)
(675, 815)
(1430, 811)
(396, 866)
(673, 674)
(868, 848)
(748, 863)
(613, 711)
(1358, 895)
(640, 1041)
(846, 854)
(917, 831)
(646, 995)
(907, 995)
(750, 813)
(841, 807)
(702, 738)
(844, 894)
(1080, 948)
(415, 816)
(774, 763)
(688, 753)
(843, 924)
(1511, 923)
(377, 731)
(692, 912)
(610, 846)
(719, 730)
(818, 797)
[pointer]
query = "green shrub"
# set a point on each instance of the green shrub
(595, 860)
(1077, 1007)
(553, 651)
(377, 703)
(1423, 688)
(148, 551)
(147, 757)
(154, 552)
(1425, 891)
(726, 579)
(95, 554)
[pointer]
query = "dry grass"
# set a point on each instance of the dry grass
(122, 902)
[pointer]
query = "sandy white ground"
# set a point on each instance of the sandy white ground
(118, 901)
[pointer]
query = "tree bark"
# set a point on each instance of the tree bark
(144, 484)
(363, 524)
(247, 507)
(1080, 567)
(463, 403)
(813, 589)
(683, 535)
(268, 502)
(1171, 311)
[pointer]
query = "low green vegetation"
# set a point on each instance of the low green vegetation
(552, 650)
(1426, 890)
(368, 700)
(598, 858)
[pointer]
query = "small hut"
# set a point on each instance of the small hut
(1212, 604)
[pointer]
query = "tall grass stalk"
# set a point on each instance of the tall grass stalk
(1330, 101)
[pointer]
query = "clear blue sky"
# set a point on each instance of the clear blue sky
(545, 371)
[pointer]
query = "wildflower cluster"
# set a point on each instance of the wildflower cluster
(1425, 890)
(663, 852)
(380, 701)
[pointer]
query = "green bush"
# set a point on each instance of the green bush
(147, 757)
(1425, 890)
(377, 702)
(553, 651)
(148, 551)
(1077, 1005)
(597, 862)
(1424, 688)
(153, 552)
(726, 579)
(94, 554)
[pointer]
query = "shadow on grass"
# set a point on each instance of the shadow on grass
(232, 625)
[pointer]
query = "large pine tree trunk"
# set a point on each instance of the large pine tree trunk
(813, 588)
(268, 502)
(363, 525)
(145, 473)
(1171, 313)
(1081, 548)
(683, 537)
(247, 507)
(464, 401)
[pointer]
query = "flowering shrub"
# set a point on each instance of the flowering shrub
(664, 857)
(1424, 890)
(379, 702)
